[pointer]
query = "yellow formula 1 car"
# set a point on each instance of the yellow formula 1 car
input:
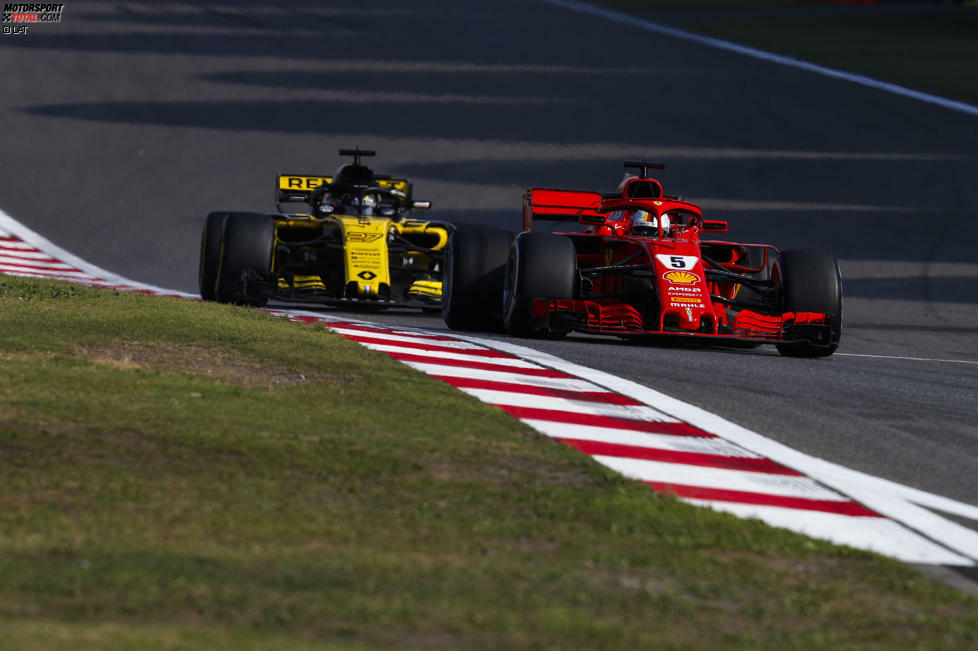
(357, 246)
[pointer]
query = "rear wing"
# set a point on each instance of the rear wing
(297, 188)
(561, 205)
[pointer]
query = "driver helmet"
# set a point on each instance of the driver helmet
(368, 203)
(645, 223)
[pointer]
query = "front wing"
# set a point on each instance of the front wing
(288, 288)
(621, 319)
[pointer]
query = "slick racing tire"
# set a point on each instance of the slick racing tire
(247, 245)
(811, 282)
(210, 255)
(472, 281)
(540, 265)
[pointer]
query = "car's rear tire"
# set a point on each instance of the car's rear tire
(811, 282)
(247, 245)
(474, 267)
(540, 265)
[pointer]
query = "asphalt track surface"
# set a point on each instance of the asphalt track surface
(125, 124)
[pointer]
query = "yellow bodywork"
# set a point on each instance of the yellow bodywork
(365, 252)
(414, 226)
(425, 290)
(302, 282)
(366, 256)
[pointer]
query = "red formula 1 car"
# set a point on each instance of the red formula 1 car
(638, 269)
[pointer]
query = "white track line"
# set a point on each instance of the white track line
(649, 26)
(513, 399)
(46, 263)
(695, 444)
(720, 478)
(911, 359)
(885, 536)
(405, 338)
(571, 384)
(26, 251)
(71, 276)
(440, 354)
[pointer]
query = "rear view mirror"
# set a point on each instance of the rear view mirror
(714, 226)
(421, 205)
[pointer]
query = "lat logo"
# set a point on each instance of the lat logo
(682, 277)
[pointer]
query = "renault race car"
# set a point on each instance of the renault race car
(639, 269)
(357, 245)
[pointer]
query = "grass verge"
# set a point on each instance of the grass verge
(924, 46)
(185, 475)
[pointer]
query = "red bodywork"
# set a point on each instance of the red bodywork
(663, 282)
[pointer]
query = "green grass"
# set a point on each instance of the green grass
(185, 475)
(931, 48)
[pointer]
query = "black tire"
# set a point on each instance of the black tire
(474, 267)
(247, 245)
(811, 282)
(210, 255)
(540, 265)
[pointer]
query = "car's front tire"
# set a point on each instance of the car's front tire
(811, 282)
(540, 265)
(210, 254)
(247, 245)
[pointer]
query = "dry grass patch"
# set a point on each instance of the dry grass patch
(510, 471)
(218, 362)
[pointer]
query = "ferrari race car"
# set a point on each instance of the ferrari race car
(639, 269)
(357, 245)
